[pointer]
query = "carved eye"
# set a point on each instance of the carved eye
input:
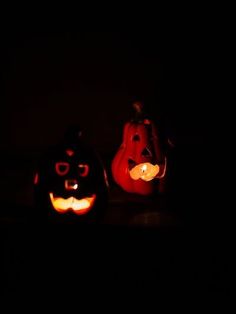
(146, 152)
(136, 138)
(131, 163)
(62, 168)
(83, 170)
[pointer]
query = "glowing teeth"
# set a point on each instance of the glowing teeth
(79, 206)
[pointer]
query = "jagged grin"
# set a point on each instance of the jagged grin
(78, 206)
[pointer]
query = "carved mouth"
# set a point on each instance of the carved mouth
(145, 171)
(78, 206)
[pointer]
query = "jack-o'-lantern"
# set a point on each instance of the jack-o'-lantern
(71, 180)
(139, 165)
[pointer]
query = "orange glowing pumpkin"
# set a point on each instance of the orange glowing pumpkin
(139, 164)
(71, 180)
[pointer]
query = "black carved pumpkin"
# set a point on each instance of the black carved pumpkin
(71, 181)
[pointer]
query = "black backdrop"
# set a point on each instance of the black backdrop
(53, 79)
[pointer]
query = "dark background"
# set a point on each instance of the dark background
(54, 78)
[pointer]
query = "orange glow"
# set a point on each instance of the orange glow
(62, 168)
(71, 185)
(83, 170)
(145, 171)
(79, 206)
(70, 152)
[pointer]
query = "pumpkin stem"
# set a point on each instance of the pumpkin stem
(138, 107)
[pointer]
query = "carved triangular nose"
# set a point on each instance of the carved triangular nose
(71, 184)
(146, 152)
